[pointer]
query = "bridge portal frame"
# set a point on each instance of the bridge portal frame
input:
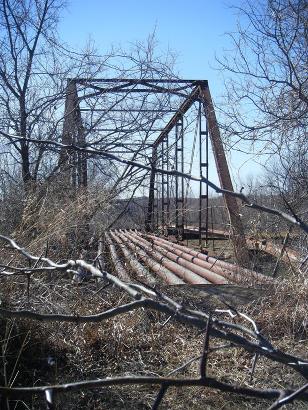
(76, 165)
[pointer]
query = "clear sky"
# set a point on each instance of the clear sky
(194, 29)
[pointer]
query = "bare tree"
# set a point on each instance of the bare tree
(267, 94)
(266, 100)
(27, 69)
(287, 179)
(34, 68)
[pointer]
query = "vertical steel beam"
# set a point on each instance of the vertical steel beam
(157, 190)
(182, 181)
(238, 236)
(164, 185)
(212, 226)
(203, 188)
(207, 187)
(73, 165)
(150, 213)
(176, 181)
(200, 173)
(179, 181)
(167, 187)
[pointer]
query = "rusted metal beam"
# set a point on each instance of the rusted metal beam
(117, 264)
(193, 233)
(162, 111)
(238, 236)
(211, 276)
(274, 249)
(165, 274)
(142, 273)
(203, 172)
(73, 166)
(136, 80)
(150, 213)
(127, 130)
(232, 272)
(179, 181)
(129, 87)
(67, 159)
(177, 116)
(184, 273)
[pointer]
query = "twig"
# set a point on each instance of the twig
(285, 399)
(183, 366)
(205, 351)
(160, 396)
(49, 399)
(147, 380)
(253, 367)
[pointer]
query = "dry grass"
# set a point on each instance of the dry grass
(284, 311)
(137, 343)
(62, 220)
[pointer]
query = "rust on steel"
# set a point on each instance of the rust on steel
(172, 263)
(231, 272)
(165, 274)
(182, 110)
(201, 93)
(150, 212)
(274, 249)
(180, 259)
(182, 272)
(118, 266)
(73, 165)
(142, 273)
(172, 123)
(196, 265)
(238, 236)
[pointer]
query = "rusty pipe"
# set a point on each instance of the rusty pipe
(194, 272)
(135, 265)
(213, 276)
(228, 270)
(210, 277)
(212, 265)
(164, 273)
(181, 271)
(118, 266)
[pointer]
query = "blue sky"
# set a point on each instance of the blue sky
(195, 30)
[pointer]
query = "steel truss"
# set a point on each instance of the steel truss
(164, 135)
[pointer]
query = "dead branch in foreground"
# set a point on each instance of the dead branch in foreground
(293, 219)
(144, 297)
